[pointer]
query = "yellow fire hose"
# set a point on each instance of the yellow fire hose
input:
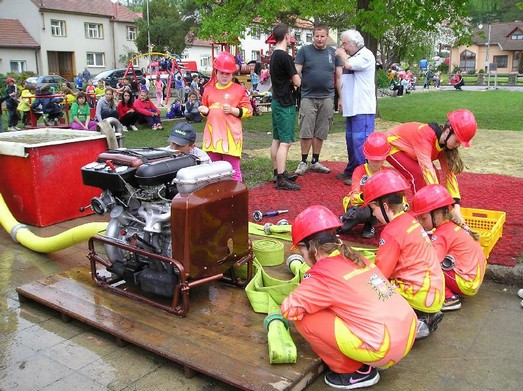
(21, 233)
(266, 294)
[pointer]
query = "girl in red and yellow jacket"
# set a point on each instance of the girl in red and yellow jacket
(375, 149)
(405, 254)
(224, 103)
(415, 146)
(344, 307)
(462, 258)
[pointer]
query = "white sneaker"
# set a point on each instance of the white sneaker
(302, 168)
(422, 330)
(134, 128)
(124, 128)
(318, 167)
(11, 129)
(17, 128)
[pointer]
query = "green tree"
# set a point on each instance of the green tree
(406, 23)
(165, 27)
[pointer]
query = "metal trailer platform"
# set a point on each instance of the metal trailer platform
(221, 336)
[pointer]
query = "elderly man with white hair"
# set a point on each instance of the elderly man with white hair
(358, 103)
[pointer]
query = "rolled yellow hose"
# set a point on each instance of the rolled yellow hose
(21, 233)
(269, 252)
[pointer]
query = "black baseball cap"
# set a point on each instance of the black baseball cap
(182, 134)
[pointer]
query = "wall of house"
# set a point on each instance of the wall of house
(17, 54)
(113, 45)
(481, 57)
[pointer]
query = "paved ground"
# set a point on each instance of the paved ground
(476, 348)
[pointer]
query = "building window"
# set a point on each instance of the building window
(94, 30)
(255, 55)
(95, 59)
(297, 36)
(131, 33)
(501, 61)
(308, 37)
(18, 66)
(58, 28)
(467, 61)
(205, 61)
(255, 32)
(517, 36)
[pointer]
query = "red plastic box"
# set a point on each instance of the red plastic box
(41, 179)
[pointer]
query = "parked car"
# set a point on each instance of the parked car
(112, 76)
(54, 81)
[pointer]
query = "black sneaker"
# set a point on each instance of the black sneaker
(368, 231)
(285, 184)
(366, 376)
(434, 320)
(341, 175)
(452, 303)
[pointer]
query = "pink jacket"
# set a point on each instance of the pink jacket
(146, 107)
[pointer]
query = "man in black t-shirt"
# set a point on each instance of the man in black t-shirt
(284, 78)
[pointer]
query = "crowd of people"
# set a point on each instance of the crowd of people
(27, 105)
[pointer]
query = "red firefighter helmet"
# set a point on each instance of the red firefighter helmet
(376, 147)
(464, 125)
(225, 62)
(429, 198)
(383, 183)
(315, 218)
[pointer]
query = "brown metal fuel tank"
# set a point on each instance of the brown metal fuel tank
(210, 228)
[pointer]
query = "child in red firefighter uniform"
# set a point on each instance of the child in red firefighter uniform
(345, 307)
(462, 258)
(405, 254)
(224, 103)
(375, 149)
(415, 146)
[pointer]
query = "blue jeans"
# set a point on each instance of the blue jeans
(357, 129)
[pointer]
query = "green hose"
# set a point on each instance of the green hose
(269, 252)
(266, 294)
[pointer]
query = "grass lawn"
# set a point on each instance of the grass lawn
(493, 109)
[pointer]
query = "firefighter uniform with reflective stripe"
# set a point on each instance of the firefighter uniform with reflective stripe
(351, 315)
(415, 146)
(470, 263)
(408, 259)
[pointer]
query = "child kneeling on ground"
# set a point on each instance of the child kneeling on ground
(462, 258)
(347, 310)
(375, 149)
(405, 254)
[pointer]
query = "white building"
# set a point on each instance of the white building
(65, 36)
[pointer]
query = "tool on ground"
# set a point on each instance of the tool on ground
(258, 215)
